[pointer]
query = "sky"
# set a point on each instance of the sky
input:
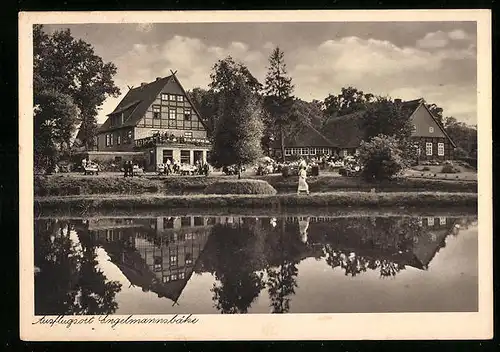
(408, 60)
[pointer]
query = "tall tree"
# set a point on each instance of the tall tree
(278, 100)
(239, 130)
(348, 101)
(54, 121)
(437, 112)
(224, 72)
(464, 135)
(385, 117)
(205, 101)
(68, 65)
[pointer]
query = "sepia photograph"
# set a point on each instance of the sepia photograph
(183, 173)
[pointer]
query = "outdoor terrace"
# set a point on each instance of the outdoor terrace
(170, 140)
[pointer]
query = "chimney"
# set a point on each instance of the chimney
(143, 84)
(158, 78)
(397, 101)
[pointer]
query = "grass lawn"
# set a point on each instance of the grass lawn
(434, 172)
(88, 203)
(115, 183)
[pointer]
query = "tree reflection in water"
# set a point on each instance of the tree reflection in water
(69, 281)
(235, 258)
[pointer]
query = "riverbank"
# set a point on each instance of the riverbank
(279, 202)
(76, 184)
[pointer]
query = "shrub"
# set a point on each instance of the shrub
(381, 158)
(244, 186)
(460, 153)
(450, 169)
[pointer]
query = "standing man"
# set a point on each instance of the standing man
(167, 167)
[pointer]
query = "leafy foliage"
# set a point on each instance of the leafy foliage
(464, 136)
(224, 73)
(70, 281)
(381, 158)
(348, 101)
(205, 101)
(54, 123)
(383, 116)
(239, 130)
(278, 99)
(240, 187)
(70, 66)
(237, 257)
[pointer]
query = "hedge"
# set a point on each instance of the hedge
(244, 186)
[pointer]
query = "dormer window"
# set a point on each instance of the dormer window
(431, 129)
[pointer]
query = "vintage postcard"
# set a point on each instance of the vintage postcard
(255, 175)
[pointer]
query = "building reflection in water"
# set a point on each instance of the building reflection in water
(247, 256)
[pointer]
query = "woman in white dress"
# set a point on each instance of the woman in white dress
(303, 186)
(303, 227)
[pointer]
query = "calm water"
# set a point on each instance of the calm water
(203, 264)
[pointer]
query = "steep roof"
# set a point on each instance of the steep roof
(137, 101)
(346, 131)
(307, 136)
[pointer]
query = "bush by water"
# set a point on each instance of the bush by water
(244, 186)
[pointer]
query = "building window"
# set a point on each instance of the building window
(442, 220)
(414, 128)
(164, 96)
(181, 276)
(129, 135)
(173, 260)
(189, 259)
(155, 132)
(420, 222)
(173, 277)
(188, 134)
(180, 98)
(185, 157)
(187, 114)
(172, 97)
(171, 114)
(118, 139)
(107, 140)
(111, 137)
(344, 153)
(428, 148)
(287, 151)
(166, 279)
(156, 111)
(157, 263)
(431, 129)
(313, 151)
(430, 221)
(440, 149)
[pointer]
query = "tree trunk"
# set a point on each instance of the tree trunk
(282, 140)
(239, 172)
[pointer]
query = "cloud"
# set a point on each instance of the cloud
(441, 39)
(437, 39)
(445, 76)
(458, 34)
(382, 68)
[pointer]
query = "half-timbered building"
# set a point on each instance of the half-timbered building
(158, 119)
